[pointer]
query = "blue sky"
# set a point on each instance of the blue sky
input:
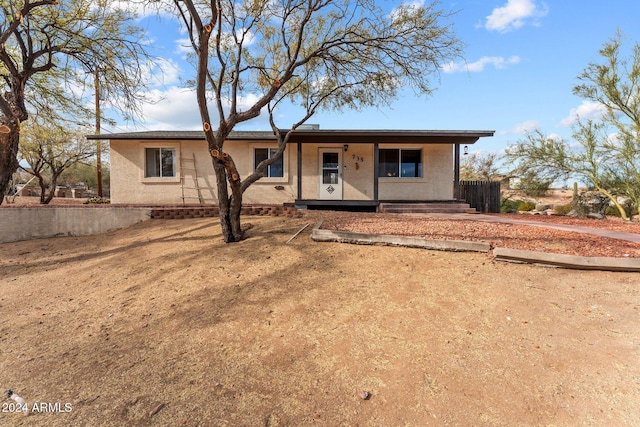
(521, 62)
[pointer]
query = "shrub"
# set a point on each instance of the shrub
(563, 209)
(613, 211)
(526, 206)
(508, 205)
(628, 206)
(97, 201)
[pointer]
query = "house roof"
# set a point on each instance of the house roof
(349, 136)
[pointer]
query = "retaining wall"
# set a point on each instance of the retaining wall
(24, 223)
(180, 212)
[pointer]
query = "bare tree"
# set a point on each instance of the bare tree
(315, 53)
(481, 166)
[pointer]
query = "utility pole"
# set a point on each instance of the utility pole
(98, 144)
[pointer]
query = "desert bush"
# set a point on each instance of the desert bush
(97, 201)
(526, 206)
(563, 209)
(628, 206)
(508, 205)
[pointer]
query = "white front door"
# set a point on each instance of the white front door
(330, 174)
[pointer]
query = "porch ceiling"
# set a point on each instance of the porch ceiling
(388, 136)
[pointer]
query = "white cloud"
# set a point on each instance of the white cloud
(183, 48)
(145, 9)
(162, 72)
(407, 7)
(615, 139)
(173, 108)
(514, 14)
(588, 110)
(525, 127)
(554, 136)
(498, 62)
(176, 108)
(522, 128)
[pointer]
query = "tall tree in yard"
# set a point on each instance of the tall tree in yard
(48, 50)
(315, 53)
(614, 83)
(607, 156)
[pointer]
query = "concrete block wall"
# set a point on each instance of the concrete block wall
(25, 223)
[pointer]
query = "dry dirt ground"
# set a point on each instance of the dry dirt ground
(163, 324)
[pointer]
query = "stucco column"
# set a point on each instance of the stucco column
(299, 196)
(456, 172)
(375, 171)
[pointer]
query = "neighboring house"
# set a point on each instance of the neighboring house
(319, 167)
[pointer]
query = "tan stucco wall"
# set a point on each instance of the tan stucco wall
(128, 184)
(265, 190)
(357, 172)
(437, 176)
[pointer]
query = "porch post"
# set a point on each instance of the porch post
(375, 171)
(456, 172)
(299, 197)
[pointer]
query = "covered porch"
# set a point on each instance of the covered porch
(377, 169)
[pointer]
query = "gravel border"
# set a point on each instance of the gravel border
(500, 254)
(320, 235)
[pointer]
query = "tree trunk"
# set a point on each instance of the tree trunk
(8, 158)
(52, 189)
(229, 207)
(43, 189)
(223, 200)
(235, 209)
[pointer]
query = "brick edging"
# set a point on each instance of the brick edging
(178, 212)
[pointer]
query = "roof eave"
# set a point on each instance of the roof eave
(319, 136)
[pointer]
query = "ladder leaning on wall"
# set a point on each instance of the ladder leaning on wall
(189, 164)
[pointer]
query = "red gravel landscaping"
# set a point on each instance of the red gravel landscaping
(514, 236)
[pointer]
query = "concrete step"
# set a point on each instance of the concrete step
(417, 210)
(426, 208)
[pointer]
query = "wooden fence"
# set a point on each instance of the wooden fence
(484, 196)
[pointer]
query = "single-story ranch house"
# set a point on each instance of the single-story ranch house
(357, 168)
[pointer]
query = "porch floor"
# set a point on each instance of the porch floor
(447, 206)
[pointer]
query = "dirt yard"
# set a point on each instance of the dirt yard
(163, 324)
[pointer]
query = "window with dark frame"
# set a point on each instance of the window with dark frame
(160, 162)
(275, 170)
(399, 163)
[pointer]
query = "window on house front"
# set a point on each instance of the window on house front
(160, 162)
(400, 163)
(275, 170)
